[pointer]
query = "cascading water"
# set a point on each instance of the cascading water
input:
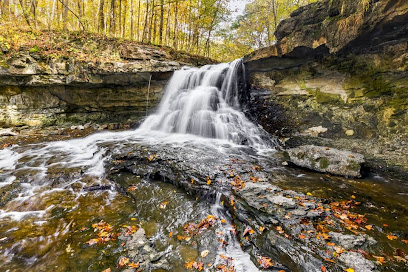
(205, 102)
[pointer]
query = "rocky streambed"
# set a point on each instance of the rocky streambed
(124, 200)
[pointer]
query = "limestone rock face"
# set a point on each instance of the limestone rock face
(326, 160)
(42, 91)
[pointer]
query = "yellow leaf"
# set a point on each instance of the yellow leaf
(349, 270)
(391, 237)
(369, 227)
(309, 194)
(205, 253)
(123, 261)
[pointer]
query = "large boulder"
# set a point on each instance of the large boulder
(326, 160)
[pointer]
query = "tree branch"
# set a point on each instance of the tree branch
(79, 20)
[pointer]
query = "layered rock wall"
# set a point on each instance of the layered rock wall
(348, 92)
(40, 91)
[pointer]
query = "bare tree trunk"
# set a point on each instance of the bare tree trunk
(112, 22)
(124, 20)
(65, 15)
(101, 16)
(151, 23)
(175, 26)
(274, 14)
(120, 18)
(79, 12)
(132, 36)
(145, 21)
(138, 20)
(52, 14)
(161, 21)
(167, 38)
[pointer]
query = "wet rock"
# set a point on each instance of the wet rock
(352, 241)
(281, 201)
(140, 249)
(357, 261)
(326, 160)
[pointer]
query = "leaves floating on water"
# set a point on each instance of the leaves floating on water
(380, 259)
(265, 262)
(134, 265)
(194, 265)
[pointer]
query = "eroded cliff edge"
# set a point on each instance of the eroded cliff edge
(54, 78)
(338, 77)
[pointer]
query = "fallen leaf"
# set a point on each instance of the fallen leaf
(404, 241)
(391, 237)
(323, 268)
(380, 260)
(107, 270)
(261, 229)
(193, 264)
(93, 241)
(123, 261)
(309, 194)
(163, 205)
(170, 234)
(400, 259)
(349, 270)
(134, 265)
(205, 253)
(265, 262)
(369, 227)
(301, 236)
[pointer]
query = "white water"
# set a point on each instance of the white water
(197, 102)
(205, 102)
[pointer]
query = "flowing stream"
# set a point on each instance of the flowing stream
(40, 210)
(52, 192)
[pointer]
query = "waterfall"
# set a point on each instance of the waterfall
(206, 102)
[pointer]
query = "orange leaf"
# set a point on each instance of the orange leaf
(265, 262)
(391, 237)
(369, 227)
(123, 261)
(380, 260)
(134, 265)
(323, 268)
(301, 236)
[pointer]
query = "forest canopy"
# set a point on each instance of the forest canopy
(203, 27)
